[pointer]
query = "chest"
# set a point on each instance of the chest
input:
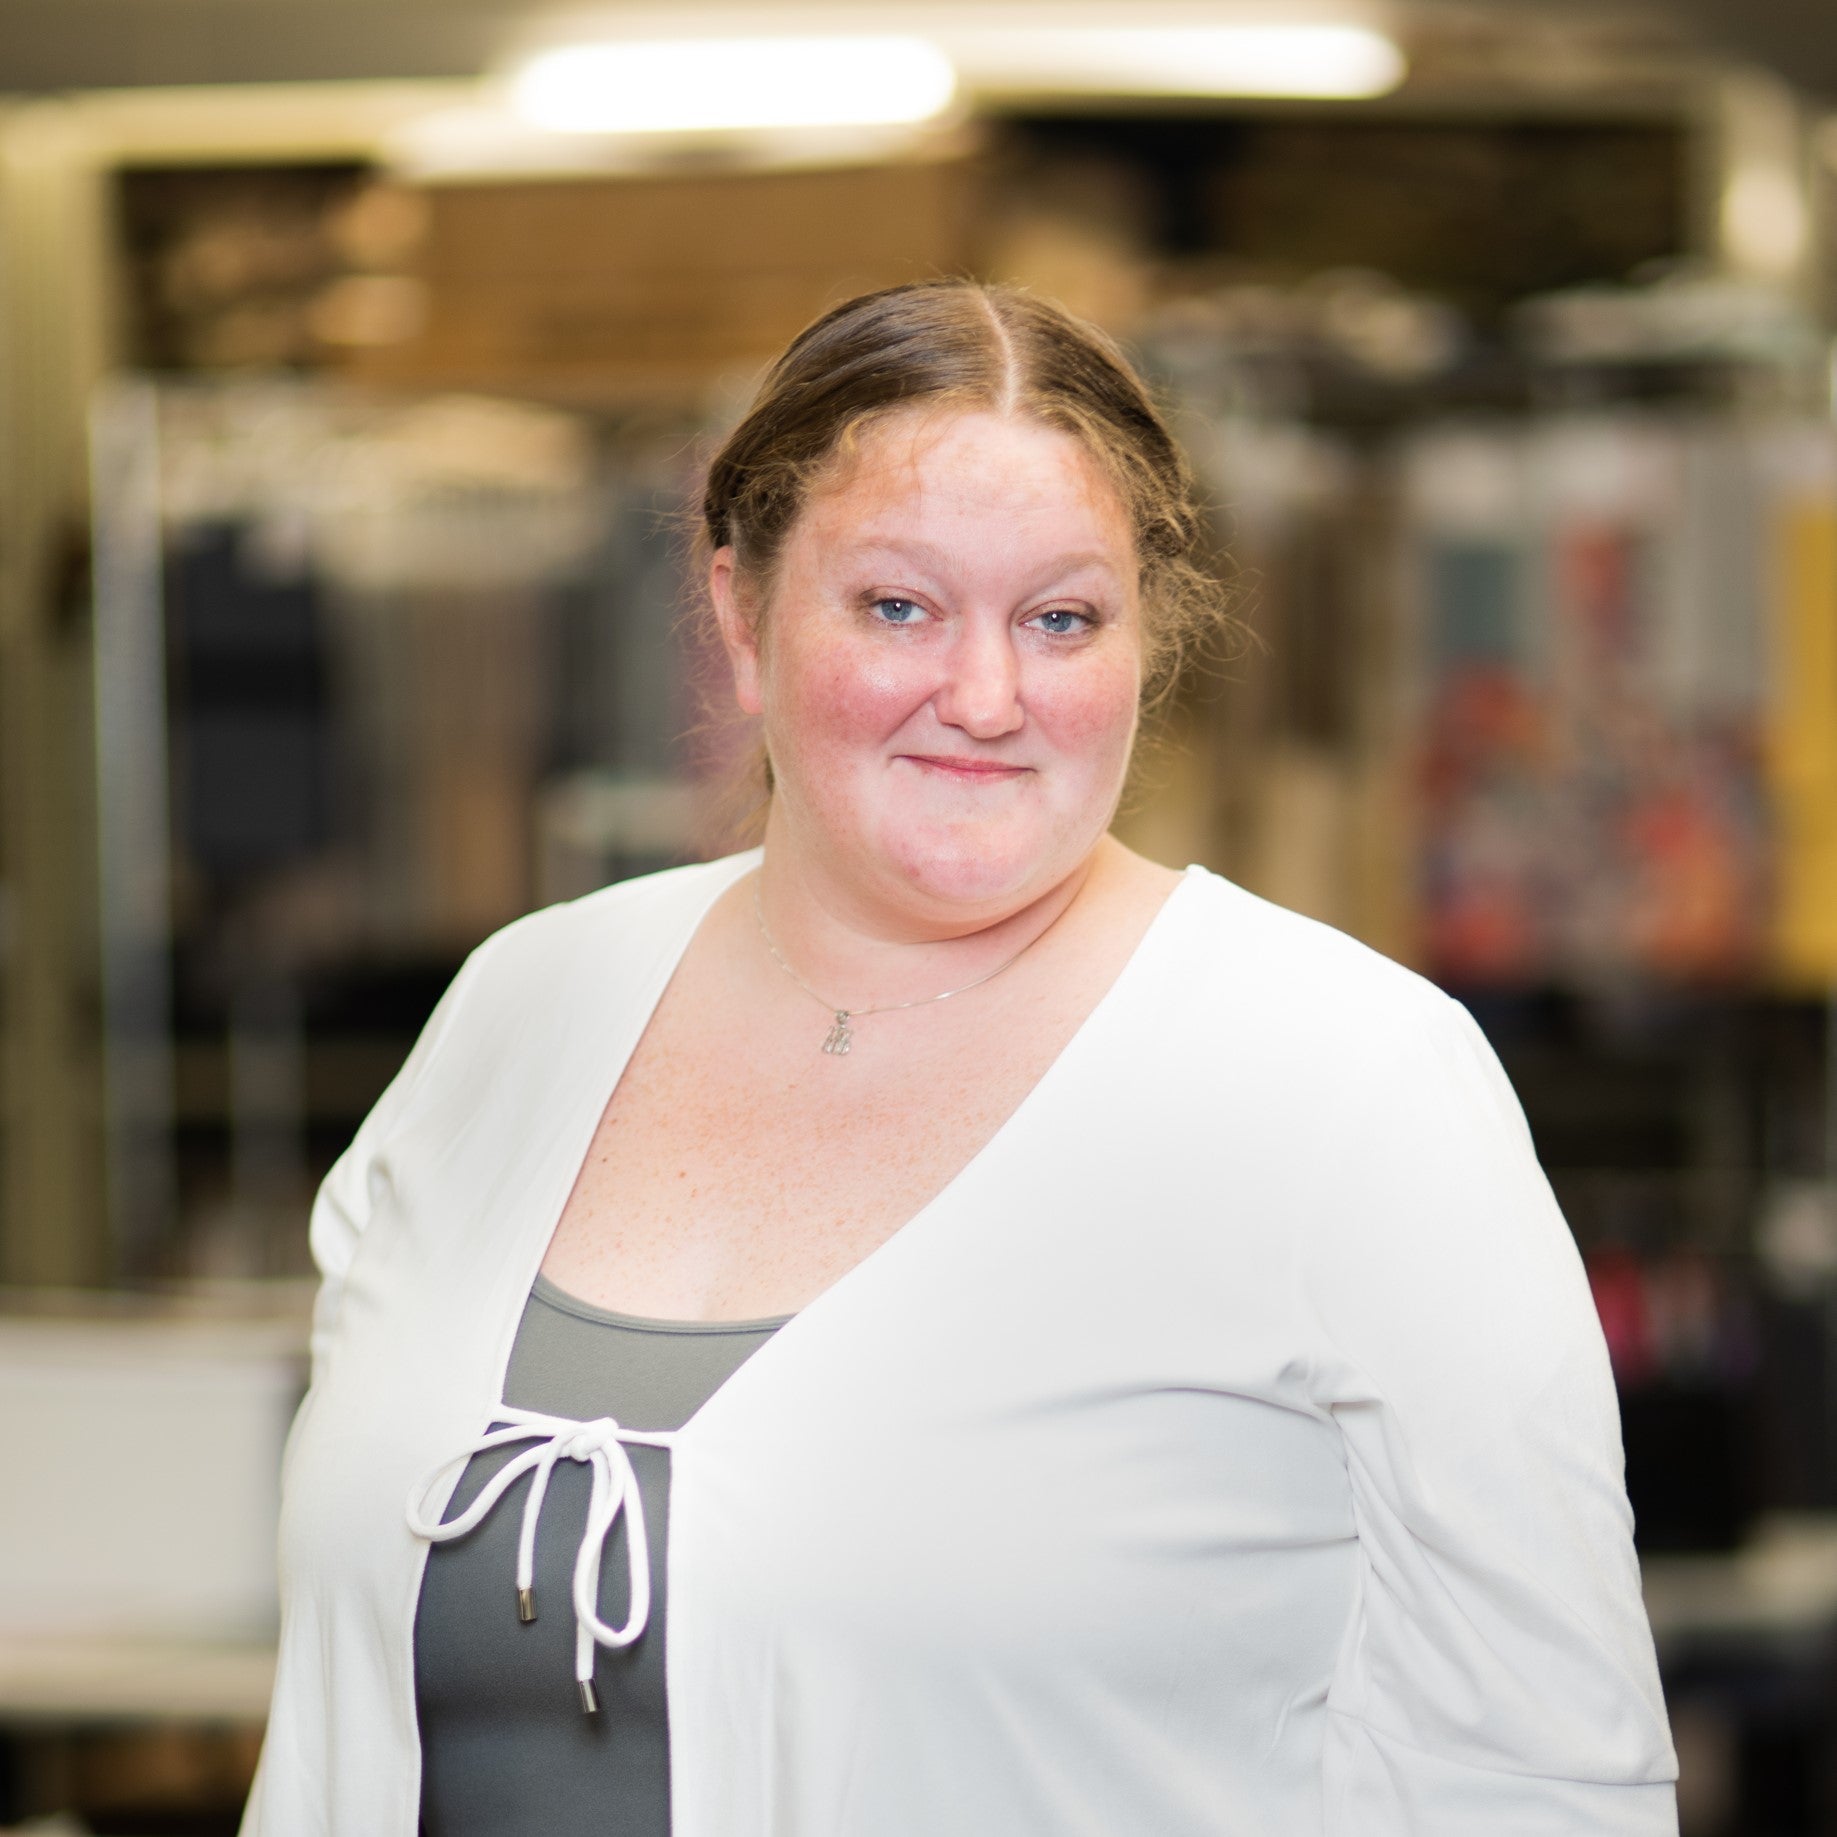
(739, 1169)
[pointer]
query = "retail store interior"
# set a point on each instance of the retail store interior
(355, 365)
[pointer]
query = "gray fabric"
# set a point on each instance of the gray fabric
(505, 1745)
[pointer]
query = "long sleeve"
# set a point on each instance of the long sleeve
(1499, 1674)
(345, 1199)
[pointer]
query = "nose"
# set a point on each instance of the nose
(981, 692)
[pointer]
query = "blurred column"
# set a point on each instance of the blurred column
(53, 213)
(1756, 196)
(133, 826)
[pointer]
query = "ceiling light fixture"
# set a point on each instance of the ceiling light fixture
(1327, 61)
(713, 85)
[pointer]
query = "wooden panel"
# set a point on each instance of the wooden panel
(659, 284)
(53, 344)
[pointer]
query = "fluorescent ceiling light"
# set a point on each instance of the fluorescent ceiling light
(713, 84)
(1338, 61)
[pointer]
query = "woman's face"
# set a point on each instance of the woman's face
(951, 665)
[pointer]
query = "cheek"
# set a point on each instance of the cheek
(841, 694)
(1091, 712)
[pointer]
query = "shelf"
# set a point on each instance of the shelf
(91, 1680)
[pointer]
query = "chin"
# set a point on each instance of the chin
(975, 869)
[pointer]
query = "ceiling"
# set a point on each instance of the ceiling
(50, 45)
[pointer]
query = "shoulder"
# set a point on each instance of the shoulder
(1373, 1097)
(603, 949)
(630, 916)
(1306, 1022)
(1269, 973)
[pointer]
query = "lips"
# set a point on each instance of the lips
(968, 770)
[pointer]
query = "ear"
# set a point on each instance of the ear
(739, 633)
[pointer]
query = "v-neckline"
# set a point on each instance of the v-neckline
(664, 973)
(901, 1240)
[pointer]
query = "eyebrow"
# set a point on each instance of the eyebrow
(929, 554)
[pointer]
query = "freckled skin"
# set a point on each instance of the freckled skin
(948, 684)
(971, 517)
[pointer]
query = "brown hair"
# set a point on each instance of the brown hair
(971, 344)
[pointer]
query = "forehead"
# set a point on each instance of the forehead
(967, 467)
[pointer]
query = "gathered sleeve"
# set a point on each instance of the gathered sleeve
(1498, 1672)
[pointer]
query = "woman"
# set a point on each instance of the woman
(1115, 1362)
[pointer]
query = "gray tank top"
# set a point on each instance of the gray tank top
(505, 1745)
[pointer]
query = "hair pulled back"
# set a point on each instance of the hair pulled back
(970, 345)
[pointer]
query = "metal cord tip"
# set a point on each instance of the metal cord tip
(526, 1605)
(589, 1697)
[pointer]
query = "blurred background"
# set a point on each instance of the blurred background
(354, 366)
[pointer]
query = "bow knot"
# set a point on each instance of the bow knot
(600, 1445)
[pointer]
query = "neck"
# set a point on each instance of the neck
(865, 949)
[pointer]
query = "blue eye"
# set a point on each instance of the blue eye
(1061, 621)
(895, 611)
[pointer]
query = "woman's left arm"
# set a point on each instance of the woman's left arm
(1499, 1673)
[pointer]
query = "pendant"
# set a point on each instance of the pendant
(839, 1039)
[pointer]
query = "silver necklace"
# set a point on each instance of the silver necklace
(841, 1033)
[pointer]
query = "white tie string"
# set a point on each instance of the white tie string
(601, 1445)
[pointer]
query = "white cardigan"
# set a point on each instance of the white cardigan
(1228, 1451)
